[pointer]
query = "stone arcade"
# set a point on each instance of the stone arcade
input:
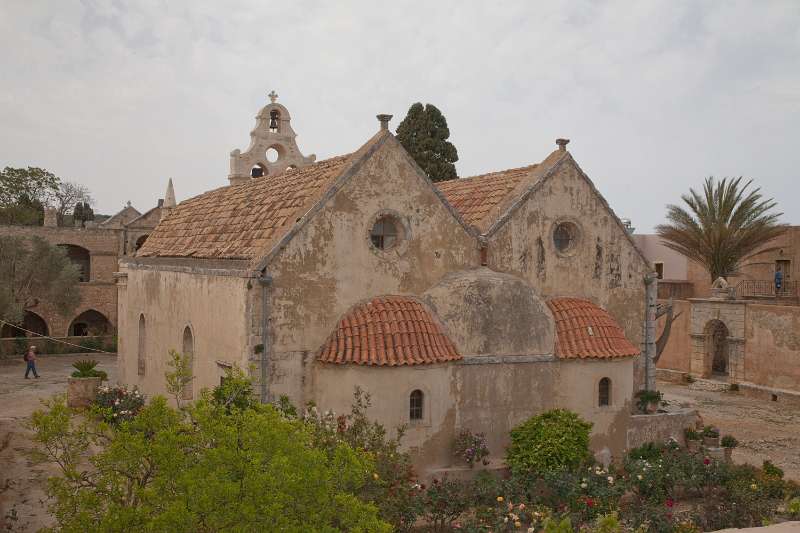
(474, 303)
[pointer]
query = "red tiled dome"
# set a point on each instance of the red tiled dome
(587, 331)
(388, 331)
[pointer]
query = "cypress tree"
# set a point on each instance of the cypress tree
(424, 133)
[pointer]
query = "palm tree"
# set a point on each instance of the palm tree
(724, 225)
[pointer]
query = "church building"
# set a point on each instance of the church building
(468, 304)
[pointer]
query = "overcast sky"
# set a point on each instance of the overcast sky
(655, 96)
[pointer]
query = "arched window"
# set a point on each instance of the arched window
(416, 405)
(604, 393)
(80, 257)
(141, 348)
(188, 351)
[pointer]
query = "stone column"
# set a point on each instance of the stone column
(698, 364)
(651, 293)
(122, 302)
(735, 359)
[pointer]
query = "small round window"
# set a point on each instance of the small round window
(565, 236)
(386, 232)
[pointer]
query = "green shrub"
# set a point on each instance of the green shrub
(554, 440)
(793, 508)
(646, 397)
(770, 470)
(85, 368)
(729, 441)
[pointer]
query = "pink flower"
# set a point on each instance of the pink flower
(669, 502)
(706, 461)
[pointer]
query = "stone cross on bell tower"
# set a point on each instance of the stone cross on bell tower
(272, 148)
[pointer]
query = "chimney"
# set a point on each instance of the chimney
(384, 120)
(562, 144)
(160, 202)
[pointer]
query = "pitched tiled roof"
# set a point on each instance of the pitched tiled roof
(388, 331)
(240, 222)
(476, 198)
(585, 330)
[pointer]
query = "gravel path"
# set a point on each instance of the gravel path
(765, 430)
(22, 482)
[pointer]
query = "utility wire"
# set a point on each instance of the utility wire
(56, 340)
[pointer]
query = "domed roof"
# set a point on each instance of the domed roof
(587, 331)
(491, 313)
(388, 331)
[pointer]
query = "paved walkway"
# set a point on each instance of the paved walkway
(765, 430)
(22, 481)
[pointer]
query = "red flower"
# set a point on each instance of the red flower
(669, 502)
(706, 461)
(589, 502)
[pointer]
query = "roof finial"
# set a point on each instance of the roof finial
(384, 120)
(562, 144)
(273, 96)
(128, 204)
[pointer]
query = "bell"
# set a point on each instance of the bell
(273, 120)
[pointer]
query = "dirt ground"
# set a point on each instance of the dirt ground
(765, 430)
(22, 482)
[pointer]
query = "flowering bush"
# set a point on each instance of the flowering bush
(118, 404)
(471, 447)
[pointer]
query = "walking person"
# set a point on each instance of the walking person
(30, 359)
(778, 280)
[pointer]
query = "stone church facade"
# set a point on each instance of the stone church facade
(470, 304)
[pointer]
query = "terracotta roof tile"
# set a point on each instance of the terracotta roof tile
(240, 222)
(388, 331)
(586, 331)
(478, 198)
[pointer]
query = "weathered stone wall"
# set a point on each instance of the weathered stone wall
(212, 306)
(99, 293)
(763, 341)
(604, 265)
(772, 346)
(482, 394)
(677, 353)
(330, 264)
(660, 427)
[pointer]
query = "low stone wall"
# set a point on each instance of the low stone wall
(660, 427)
(11, 348)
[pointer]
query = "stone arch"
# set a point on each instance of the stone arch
(30, 322)
(81, 258)
(187, 349)
(716, 346)
(718, 329)
(89, 323)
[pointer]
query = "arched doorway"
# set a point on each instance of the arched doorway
(81, 258)
(89, 323)
(31, 322)
(716, 344)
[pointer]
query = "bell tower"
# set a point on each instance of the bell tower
(272, 148)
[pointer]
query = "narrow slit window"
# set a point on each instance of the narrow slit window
(416, 405)
(604, 392)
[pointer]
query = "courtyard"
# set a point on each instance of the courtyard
(22, 481)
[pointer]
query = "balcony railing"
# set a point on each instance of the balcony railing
(765, 288)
